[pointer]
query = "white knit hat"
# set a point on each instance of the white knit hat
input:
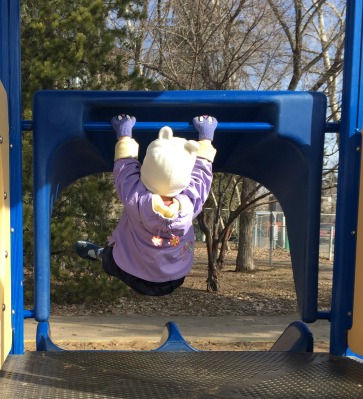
(168, 163)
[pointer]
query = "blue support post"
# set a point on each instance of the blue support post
(16, 181)
(348, 182)
(10, 75)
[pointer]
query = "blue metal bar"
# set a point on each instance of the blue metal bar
(28, 314)
(183, 126)
(324, 315)
(348, 182)
(330, 127)
(27, 125)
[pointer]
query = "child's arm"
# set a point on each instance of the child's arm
(206, 125)
(202, 175)
(126, 146)
(126, 169)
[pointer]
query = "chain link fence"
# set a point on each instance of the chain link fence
(270, 238)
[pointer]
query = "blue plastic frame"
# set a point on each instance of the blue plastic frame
(275, 138)
(351, 125)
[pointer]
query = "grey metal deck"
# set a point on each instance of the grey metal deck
(104, 375)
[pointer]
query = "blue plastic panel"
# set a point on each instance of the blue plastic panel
(275, 138)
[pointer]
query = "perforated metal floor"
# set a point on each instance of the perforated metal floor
(139, 375)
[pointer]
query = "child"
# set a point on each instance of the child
(151, 249)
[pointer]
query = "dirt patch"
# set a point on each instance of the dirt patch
(205, 345)
(268, 290)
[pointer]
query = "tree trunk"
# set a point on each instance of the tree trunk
(212, 250)
(244, 261)
(224, 248)
(212, 280)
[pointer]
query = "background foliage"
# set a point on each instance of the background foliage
(70, 45)
(168, 45)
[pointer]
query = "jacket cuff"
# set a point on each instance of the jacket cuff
(206, 150)
(126, 148)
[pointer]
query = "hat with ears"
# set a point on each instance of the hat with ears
(168, 163)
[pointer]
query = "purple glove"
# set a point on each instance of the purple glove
(205, 126)
(123, 125)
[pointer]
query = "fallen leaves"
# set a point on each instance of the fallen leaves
(269, 290)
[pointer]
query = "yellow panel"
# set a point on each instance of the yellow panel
(5, 272)
(355, 335)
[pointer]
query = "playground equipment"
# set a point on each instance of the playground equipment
(282, 130)
(5, 318)
(275, 138)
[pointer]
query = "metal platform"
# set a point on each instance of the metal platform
(139, 375)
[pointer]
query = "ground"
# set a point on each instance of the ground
(269, 290)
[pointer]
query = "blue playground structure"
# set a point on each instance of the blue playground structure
(275, 138)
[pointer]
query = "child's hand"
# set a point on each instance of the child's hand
(123, 125)
(205, 126)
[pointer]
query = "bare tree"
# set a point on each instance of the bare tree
(205, 44)
(236, 202)
(314, 31)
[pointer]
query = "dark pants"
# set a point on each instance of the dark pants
(138, 284)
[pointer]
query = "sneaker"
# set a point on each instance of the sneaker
(88, 250)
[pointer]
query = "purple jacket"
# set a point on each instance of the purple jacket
(147, 244)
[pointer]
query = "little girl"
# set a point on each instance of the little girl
(152, 247)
